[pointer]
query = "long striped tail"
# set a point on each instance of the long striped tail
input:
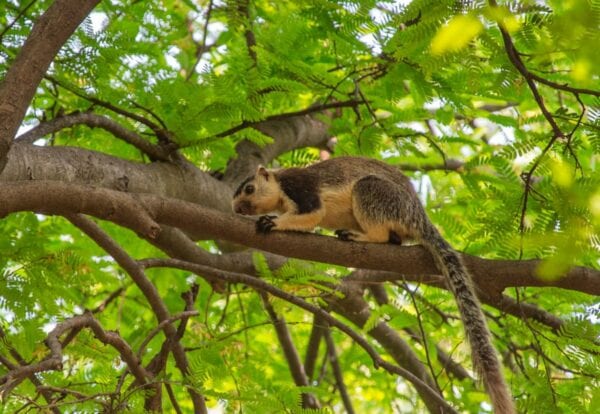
(485, 359)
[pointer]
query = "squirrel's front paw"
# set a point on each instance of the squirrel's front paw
(345, 235)
(265, 224)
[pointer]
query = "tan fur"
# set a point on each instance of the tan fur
(337, 204)
(367, 200)
(298, 222)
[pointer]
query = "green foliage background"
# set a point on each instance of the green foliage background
(423, 109)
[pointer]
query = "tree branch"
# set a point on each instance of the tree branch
(21, 361)
(290, 352)
(17, 89)
(493, 276)
(92, 120)
(312, 348)
(337, 372)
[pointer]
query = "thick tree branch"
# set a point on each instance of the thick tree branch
(17, 89)
(69, 164)
(124, 209)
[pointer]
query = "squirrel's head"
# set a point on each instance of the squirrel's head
(259, 194)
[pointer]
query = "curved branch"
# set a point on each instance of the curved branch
(92, 120)
(158, 130)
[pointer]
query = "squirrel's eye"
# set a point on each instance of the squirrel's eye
(249, 189)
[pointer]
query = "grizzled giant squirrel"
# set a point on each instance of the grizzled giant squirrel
(367, 200)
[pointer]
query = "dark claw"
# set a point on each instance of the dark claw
(395, 238)
(344, 235)
(265, 224)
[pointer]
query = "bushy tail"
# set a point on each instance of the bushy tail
(484, 355)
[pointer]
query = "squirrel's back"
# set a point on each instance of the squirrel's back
(345, 170)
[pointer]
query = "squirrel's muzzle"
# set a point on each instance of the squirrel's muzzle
(243, 207)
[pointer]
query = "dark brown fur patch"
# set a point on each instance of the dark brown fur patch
(302, 187)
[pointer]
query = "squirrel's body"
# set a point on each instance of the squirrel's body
(367, 200)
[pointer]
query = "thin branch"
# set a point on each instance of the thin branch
(564, 87)
(350, 303)
(10, 366)
(16, 19)
(160, 327)
(162, 135)
(172, 398)
(79, 397)
(73, 333)
(524, 310)
(290, 352)
(531, 78)
(422, 334)
(311, 110)
(449, 164)
(92, 120)
(485, 293)
(312, 348)
(202, 47)
(244, 10)
(337, 372)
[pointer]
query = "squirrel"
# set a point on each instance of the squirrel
(366, 200)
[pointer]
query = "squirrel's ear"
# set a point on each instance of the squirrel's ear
(262, 172)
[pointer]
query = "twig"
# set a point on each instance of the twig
(162, 134)
(422, 332)
(160, 327)
(16, 19)
(201, 48)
